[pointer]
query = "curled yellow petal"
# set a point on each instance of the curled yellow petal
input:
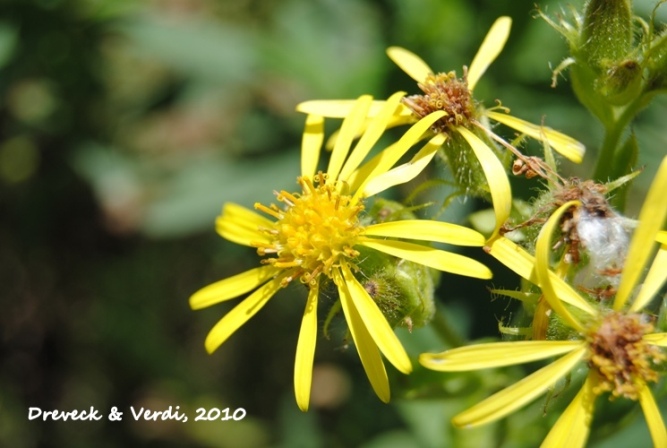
(366, 347)
(231, 287)
(407, 171)
(656, 426)
(489, 50)
(420, 229)
(305, 351)
(499, 184)
(428, 256)
(523, 264)
(240, 315)
(572, 428)
(542, 259)
(651, 218)
(343, 108)
(565, 145)
(410, 63)
(376, 323)
(311, 144)
(495, 354)
(515, 396)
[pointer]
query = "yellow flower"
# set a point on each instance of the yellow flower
(315, 236)
(445, 92)
(618, 343)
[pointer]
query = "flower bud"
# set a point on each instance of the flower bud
(607, 32)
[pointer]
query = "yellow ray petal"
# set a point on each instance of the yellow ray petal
(343, 108)
(421, 229)
(371, 135)
(231, 287)
(240, 233)
(239, 214)
(515, 396)
(656, 339)
(390, 155)
(572, 428)
(495, 354)
(376, 323)
(654, 280)
(523, 264)
(311, 144)
(499, 184)
(662, 237)
(542, 258)
(366, 347)
(407, 171)
(651, 218)
(428, 256)
(653, 418)
(563, 144)
(305, 351)
(410, 63)
(240, 315)
(489, 50)
(348, 131)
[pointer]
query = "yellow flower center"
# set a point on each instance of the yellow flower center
(445, 92)
(315, 231)
(620, 356)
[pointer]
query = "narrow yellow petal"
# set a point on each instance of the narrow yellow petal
(656, 339)
(489, 50)
(376, 323)
(366, 347)
(654, 280)
(410, 63)
(343, 108)
(240, 232)
(572, 428)
(350, 128)
(231, 287)
(428, 256)
(371, 135)
(390, 155)
(305, 351)
(651, 218)
(240, 315)
(566, 146)
(523, 264)
(653, 418)
(311, 144)
(495, 354)
(407, 171)
(662, 237)
(515, 396)
(421, 229)
(499, 184)
(240, 214)
(542, 258)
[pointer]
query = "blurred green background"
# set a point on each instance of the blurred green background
(125, 125)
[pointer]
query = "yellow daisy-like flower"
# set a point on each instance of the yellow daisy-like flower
(445, 92)
(618, 344)
(315, 236)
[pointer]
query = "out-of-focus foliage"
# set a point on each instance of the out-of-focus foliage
(125, 125)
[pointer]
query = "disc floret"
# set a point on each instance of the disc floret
(315, 232)
(618, 353)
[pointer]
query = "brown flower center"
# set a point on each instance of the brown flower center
(623, 360)
(445, 92)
